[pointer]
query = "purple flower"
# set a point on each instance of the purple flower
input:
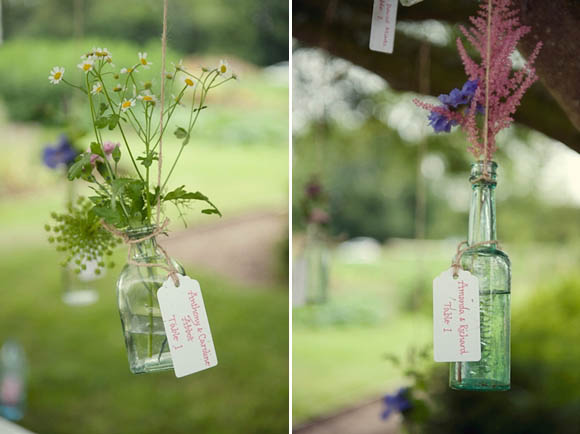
(440, 122)
(313, 189)
(61, 154)
(460, 97)
(398, 402)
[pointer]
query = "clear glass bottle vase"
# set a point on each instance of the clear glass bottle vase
(492, 267)
(145, 339)
(316, 265)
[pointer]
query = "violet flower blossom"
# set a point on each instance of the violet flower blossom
(399, 402)
(63, 154)
(108, 148)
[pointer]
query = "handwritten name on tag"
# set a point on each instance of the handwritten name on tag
(456, 336)
(383, 25)
(186, 326)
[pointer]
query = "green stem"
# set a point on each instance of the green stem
(110, 101)
(202, 97)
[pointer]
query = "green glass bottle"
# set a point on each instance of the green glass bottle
(316, 261)
(492, 267)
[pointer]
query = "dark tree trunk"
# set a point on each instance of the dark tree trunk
(342, 27)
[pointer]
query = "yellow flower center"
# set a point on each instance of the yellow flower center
(223, 69)
(57, 75)
(147, 98)
(189, 81)
(129, 70)
(126, 104)
(143, 61)
(87, 66)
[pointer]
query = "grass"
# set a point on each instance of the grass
(79, 377)
(383, 308)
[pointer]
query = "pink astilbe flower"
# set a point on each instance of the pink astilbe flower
(494, 33)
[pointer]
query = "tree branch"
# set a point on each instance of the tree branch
(342, 27)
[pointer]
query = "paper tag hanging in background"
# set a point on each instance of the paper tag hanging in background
(186, 326)
(456, 317)
(383, 25)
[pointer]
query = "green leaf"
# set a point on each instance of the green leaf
(180, 195)
(102, 121)
(109, 215)
(96, 149)
(113, 121)
(116, 154)
(76, 169)
(147, 161)
(103, 108)
(180, 133)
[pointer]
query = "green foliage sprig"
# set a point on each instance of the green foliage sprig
(80, 233)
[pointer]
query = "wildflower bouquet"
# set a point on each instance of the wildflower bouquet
(119, 102)
(487, 101)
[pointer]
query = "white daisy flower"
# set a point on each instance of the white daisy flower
(224, 67)
(106, 55)
(189, 82)
(117, 88)
(86, 65)
(97, 88)
(143, 60)
(56, 74)
(147, 97)
(179, 65)
(127, 70)
(127, 104)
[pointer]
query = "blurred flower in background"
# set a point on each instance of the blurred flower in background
(62, 154)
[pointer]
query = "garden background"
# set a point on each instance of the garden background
(78, 377)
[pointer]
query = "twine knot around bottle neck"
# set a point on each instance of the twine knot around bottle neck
(132, 237)
(483, 173)
(456, 263)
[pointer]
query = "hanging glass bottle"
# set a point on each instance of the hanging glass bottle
(492, 267)
(12, 380)
(79, 277)
(145, 339)
(316, 265)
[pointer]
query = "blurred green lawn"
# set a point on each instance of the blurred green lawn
(340, 349)
(79, 375)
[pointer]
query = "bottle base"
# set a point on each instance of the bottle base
(480, 385)
(153, 364)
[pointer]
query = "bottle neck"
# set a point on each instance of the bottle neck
(482, 214)
(146, 248)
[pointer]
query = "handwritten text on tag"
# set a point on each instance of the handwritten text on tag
(456, 336)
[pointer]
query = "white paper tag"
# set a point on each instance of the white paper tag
(383, 25)
(456, 317)
(186, 326)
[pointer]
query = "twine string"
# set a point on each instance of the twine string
(132, 242)
(456, 263)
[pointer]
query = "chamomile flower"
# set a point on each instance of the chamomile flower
(97, 88)
(105, 54)
(86, 65)
(127, 70)
(179, 65)
(189, 81)
(224, 68)
(143, 60)
(127, 104)
(148, 98)
(177, 99)
(56, 74)
(117, 88)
